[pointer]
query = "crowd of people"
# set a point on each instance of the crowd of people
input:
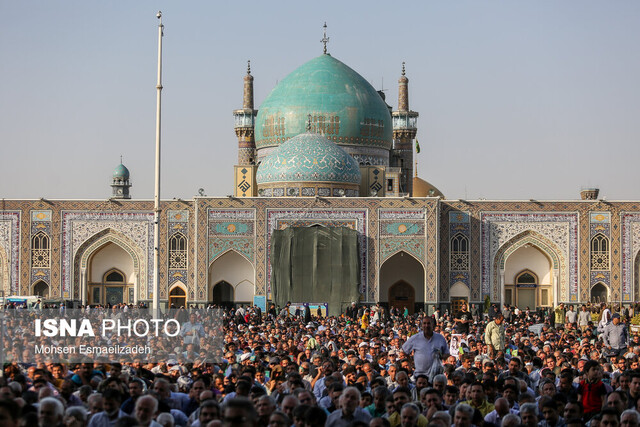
(494, 367)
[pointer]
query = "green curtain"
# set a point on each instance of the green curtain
(315, 264)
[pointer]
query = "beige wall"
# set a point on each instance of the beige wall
(236, 270)
(402, 267)
(108, 257)
(530, 258)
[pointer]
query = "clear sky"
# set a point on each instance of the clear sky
(517, 99)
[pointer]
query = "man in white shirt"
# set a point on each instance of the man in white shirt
(425, 346)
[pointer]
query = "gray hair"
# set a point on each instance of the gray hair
(442, 415)
(166, 419)
(465, 409)
(633, 412)
(354, 389)
(529, 407)
(511, 420)
(78, 412)
(440, 378)
(58, 406)
(411, 406)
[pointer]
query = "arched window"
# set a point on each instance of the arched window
(114, 276)
(40, 251)
(178, 251)
(459, 253)
(599, 252)
(526, 279)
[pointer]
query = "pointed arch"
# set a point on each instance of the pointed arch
(178, 251)
(526, 277)
(544, 245)
(402, 267)
(41, 289)
(599, 293)
(221, 254)
(114, 275)
(40, 250)
(459, 253)
(233, 268)
(96, 242)
(178, 295)
(599, 252)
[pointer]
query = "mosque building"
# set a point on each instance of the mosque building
(327, 208)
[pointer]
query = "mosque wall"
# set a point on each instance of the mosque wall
(487, 235)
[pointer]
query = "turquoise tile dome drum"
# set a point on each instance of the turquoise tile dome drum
(337, 101)
(121, 172)
(309, 157)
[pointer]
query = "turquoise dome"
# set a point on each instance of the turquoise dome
(309, 157)
(121, 172)
(343, 107)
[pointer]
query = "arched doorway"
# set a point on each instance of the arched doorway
(402, 295)
(41, 289)
(223, 294)
(111, 276)
(528, 278)
(177, 297)
(599, 293)
(459, 294)
(402, 282)
(231, 276)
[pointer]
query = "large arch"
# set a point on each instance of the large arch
(459, 294)
(111, 277)
(236, 270)
(178, 295)
(529, 239)
(41, 289)
(402, 268)
(86, 254)
(599, 293)
(527, 278)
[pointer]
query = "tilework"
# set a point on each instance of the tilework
(10, 245)
(558, 232)
(393, 229)
(40, 222)
(278, 219)
(433, 255)
(308, 158)
(40, 216)
(630, 231)
(178, 222)
(78, 227)
(390, 247)
(459, 223)
(178, 216)
(229, 229)
(599, 276)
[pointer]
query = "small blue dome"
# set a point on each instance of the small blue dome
(121, 172)
(309, 157)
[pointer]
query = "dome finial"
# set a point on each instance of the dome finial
(403, 68)
(324, 39)
(309, 123)
(249, 66)
(121, 159)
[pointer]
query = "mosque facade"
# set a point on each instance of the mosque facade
(327, 208)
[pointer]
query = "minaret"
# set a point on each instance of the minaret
(244, 123)
(404, 132)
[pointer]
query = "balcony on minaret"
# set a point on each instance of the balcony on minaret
(404, 120)
(244, 118)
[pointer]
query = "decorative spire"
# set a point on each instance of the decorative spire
(416, 168)
(403, 73)
(309, 123)
(249, 66)
(324, 39)
(121, 159)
